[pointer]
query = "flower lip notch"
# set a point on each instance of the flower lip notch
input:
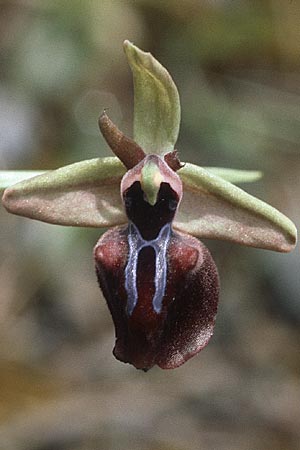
(160, 282)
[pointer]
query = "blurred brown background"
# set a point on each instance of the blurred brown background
(237, 67)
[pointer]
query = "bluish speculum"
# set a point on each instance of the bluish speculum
(136, 245)
(149, 228)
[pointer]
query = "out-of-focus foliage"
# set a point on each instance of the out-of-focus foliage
(236, 65)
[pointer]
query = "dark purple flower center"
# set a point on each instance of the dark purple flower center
(148, 219)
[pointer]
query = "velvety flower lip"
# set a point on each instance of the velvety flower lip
(160, 282)
(184, 325)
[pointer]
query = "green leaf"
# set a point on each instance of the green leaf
(86, 193)
(235, 176)
(9, 177)
(214, 208)
(156, 102)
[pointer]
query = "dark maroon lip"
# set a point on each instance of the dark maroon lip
(184, 324)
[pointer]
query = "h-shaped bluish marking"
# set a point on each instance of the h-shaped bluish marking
(136, 243)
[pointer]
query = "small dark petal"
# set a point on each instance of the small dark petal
(173, 161)
(126, 149)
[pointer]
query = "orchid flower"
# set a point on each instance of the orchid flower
(160, 282)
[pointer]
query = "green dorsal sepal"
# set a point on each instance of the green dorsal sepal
(156, 103)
